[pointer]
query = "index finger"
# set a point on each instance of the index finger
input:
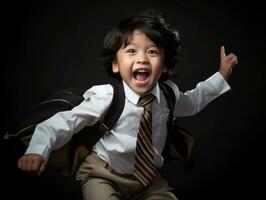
(222, 51)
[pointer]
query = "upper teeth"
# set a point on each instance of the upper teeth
(141, 70)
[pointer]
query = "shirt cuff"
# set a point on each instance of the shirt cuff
(39, 149)
(219, 82)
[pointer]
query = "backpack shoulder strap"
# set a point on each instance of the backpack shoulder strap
(116, 108)
(170, 96)
(83, 139)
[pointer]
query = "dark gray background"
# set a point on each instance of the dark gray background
(51, 45)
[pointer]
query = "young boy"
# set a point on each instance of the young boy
(140, 51)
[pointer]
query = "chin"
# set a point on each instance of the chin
(142, 90)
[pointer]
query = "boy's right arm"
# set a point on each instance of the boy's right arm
(33, 163)
(56, 131)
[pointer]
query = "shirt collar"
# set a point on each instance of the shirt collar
(134, 97)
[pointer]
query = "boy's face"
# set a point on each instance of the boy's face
(140, 63)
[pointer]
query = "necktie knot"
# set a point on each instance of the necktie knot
(146, 100)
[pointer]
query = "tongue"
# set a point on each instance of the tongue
(141, 76)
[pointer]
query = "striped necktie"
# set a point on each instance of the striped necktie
(145, 169)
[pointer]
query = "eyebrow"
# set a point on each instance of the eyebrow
(153, 45)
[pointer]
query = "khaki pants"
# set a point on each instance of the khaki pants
(100, 182)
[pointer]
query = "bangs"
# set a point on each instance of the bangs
(155, 36)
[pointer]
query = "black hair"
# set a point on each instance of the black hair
(155, 27)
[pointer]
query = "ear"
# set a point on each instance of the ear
(165, 69)
(115, 67)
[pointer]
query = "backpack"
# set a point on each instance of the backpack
(179, 142)
(67, 159)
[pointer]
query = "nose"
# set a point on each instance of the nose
(142, 58)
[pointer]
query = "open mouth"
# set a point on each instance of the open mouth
(141, 74)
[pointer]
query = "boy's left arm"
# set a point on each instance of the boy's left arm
(193, 101)
(227, 62)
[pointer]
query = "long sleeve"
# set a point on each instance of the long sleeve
(193, 101)
(56, 131)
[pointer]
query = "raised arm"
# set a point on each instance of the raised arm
(193, 101)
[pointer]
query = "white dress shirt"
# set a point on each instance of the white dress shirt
(118, 146)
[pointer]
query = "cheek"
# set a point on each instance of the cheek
(159, 67)
(125, 61)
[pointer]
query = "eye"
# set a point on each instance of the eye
(153, 52)
(131, 51)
